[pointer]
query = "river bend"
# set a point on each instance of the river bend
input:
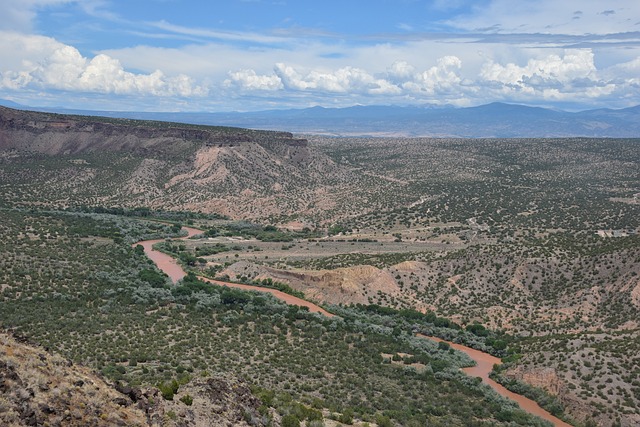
(484, 361)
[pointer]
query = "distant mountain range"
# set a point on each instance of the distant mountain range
(496, 120)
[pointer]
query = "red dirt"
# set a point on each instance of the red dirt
(484, 365)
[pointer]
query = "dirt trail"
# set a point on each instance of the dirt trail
(171, 267)
(484, 365)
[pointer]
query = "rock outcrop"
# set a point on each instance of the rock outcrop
(38, 388)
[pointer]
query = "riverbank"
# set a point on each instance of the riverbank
(484, 361)
(174, 270)
(482, 369)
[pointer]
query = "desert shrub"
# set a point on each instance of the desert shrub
(290, 421)
(169, 389)
(187, 400)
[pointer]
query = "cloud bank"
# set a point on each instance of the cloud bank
(538, 55)
(48, 64)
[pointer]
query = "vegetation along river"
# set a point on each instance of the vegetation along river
(484, 361)
(484, 366)
(170, 266)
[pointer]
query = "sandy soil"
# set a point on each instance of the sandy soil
(484, 365)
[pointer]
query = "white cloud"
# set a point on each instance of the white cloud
(48, 64)
(401, 79)
(552, 69)
(343, 80)
(442, 77)
(401, 71)
(223, 77)
(626, 71)
(571, 77)
(218, 34)
(249, 80)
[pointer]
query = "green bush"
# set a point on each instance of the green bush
(290, 421)
(169, 389)
(187, 400)
(346, 417)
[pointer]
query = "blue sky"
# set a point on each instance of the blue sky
(241, 55)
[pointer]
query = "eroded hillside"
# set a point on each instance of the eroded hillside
(537, 240)
(77, 161)
(37, 388)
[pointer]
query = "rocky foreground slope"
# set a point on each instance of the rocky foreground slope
(39, 388)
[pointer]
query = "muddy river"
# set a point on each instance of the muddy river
(484, 365)
(484, 361)
(171, 267)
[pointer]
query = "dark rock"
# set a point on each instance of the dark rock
(9, 373)
(28, 415)
(124, 389)
(121, 401)
(46, 409)
(134, 394)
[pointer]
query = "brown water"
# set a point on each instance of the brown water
(484, 365)
(484, 361)
(167, 263)
(171, 267)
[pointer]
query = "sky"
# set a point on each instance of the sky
(250, 55)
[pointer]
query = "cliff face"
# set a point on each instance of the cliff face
(61, 134)
(64, 160)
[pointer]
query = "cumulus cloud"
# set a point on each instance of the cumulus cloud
(627, 71)
(400, 72)
(571, 77)
(400, 78)
(574, 64)
(553, 77)
(343, 80)
(440, 78)
(48, 64)
(566, 76)
(37, 64)
(250, 80)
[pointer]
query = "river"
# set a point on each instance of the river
(170, 266)
(484, 365)
(484, 361)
